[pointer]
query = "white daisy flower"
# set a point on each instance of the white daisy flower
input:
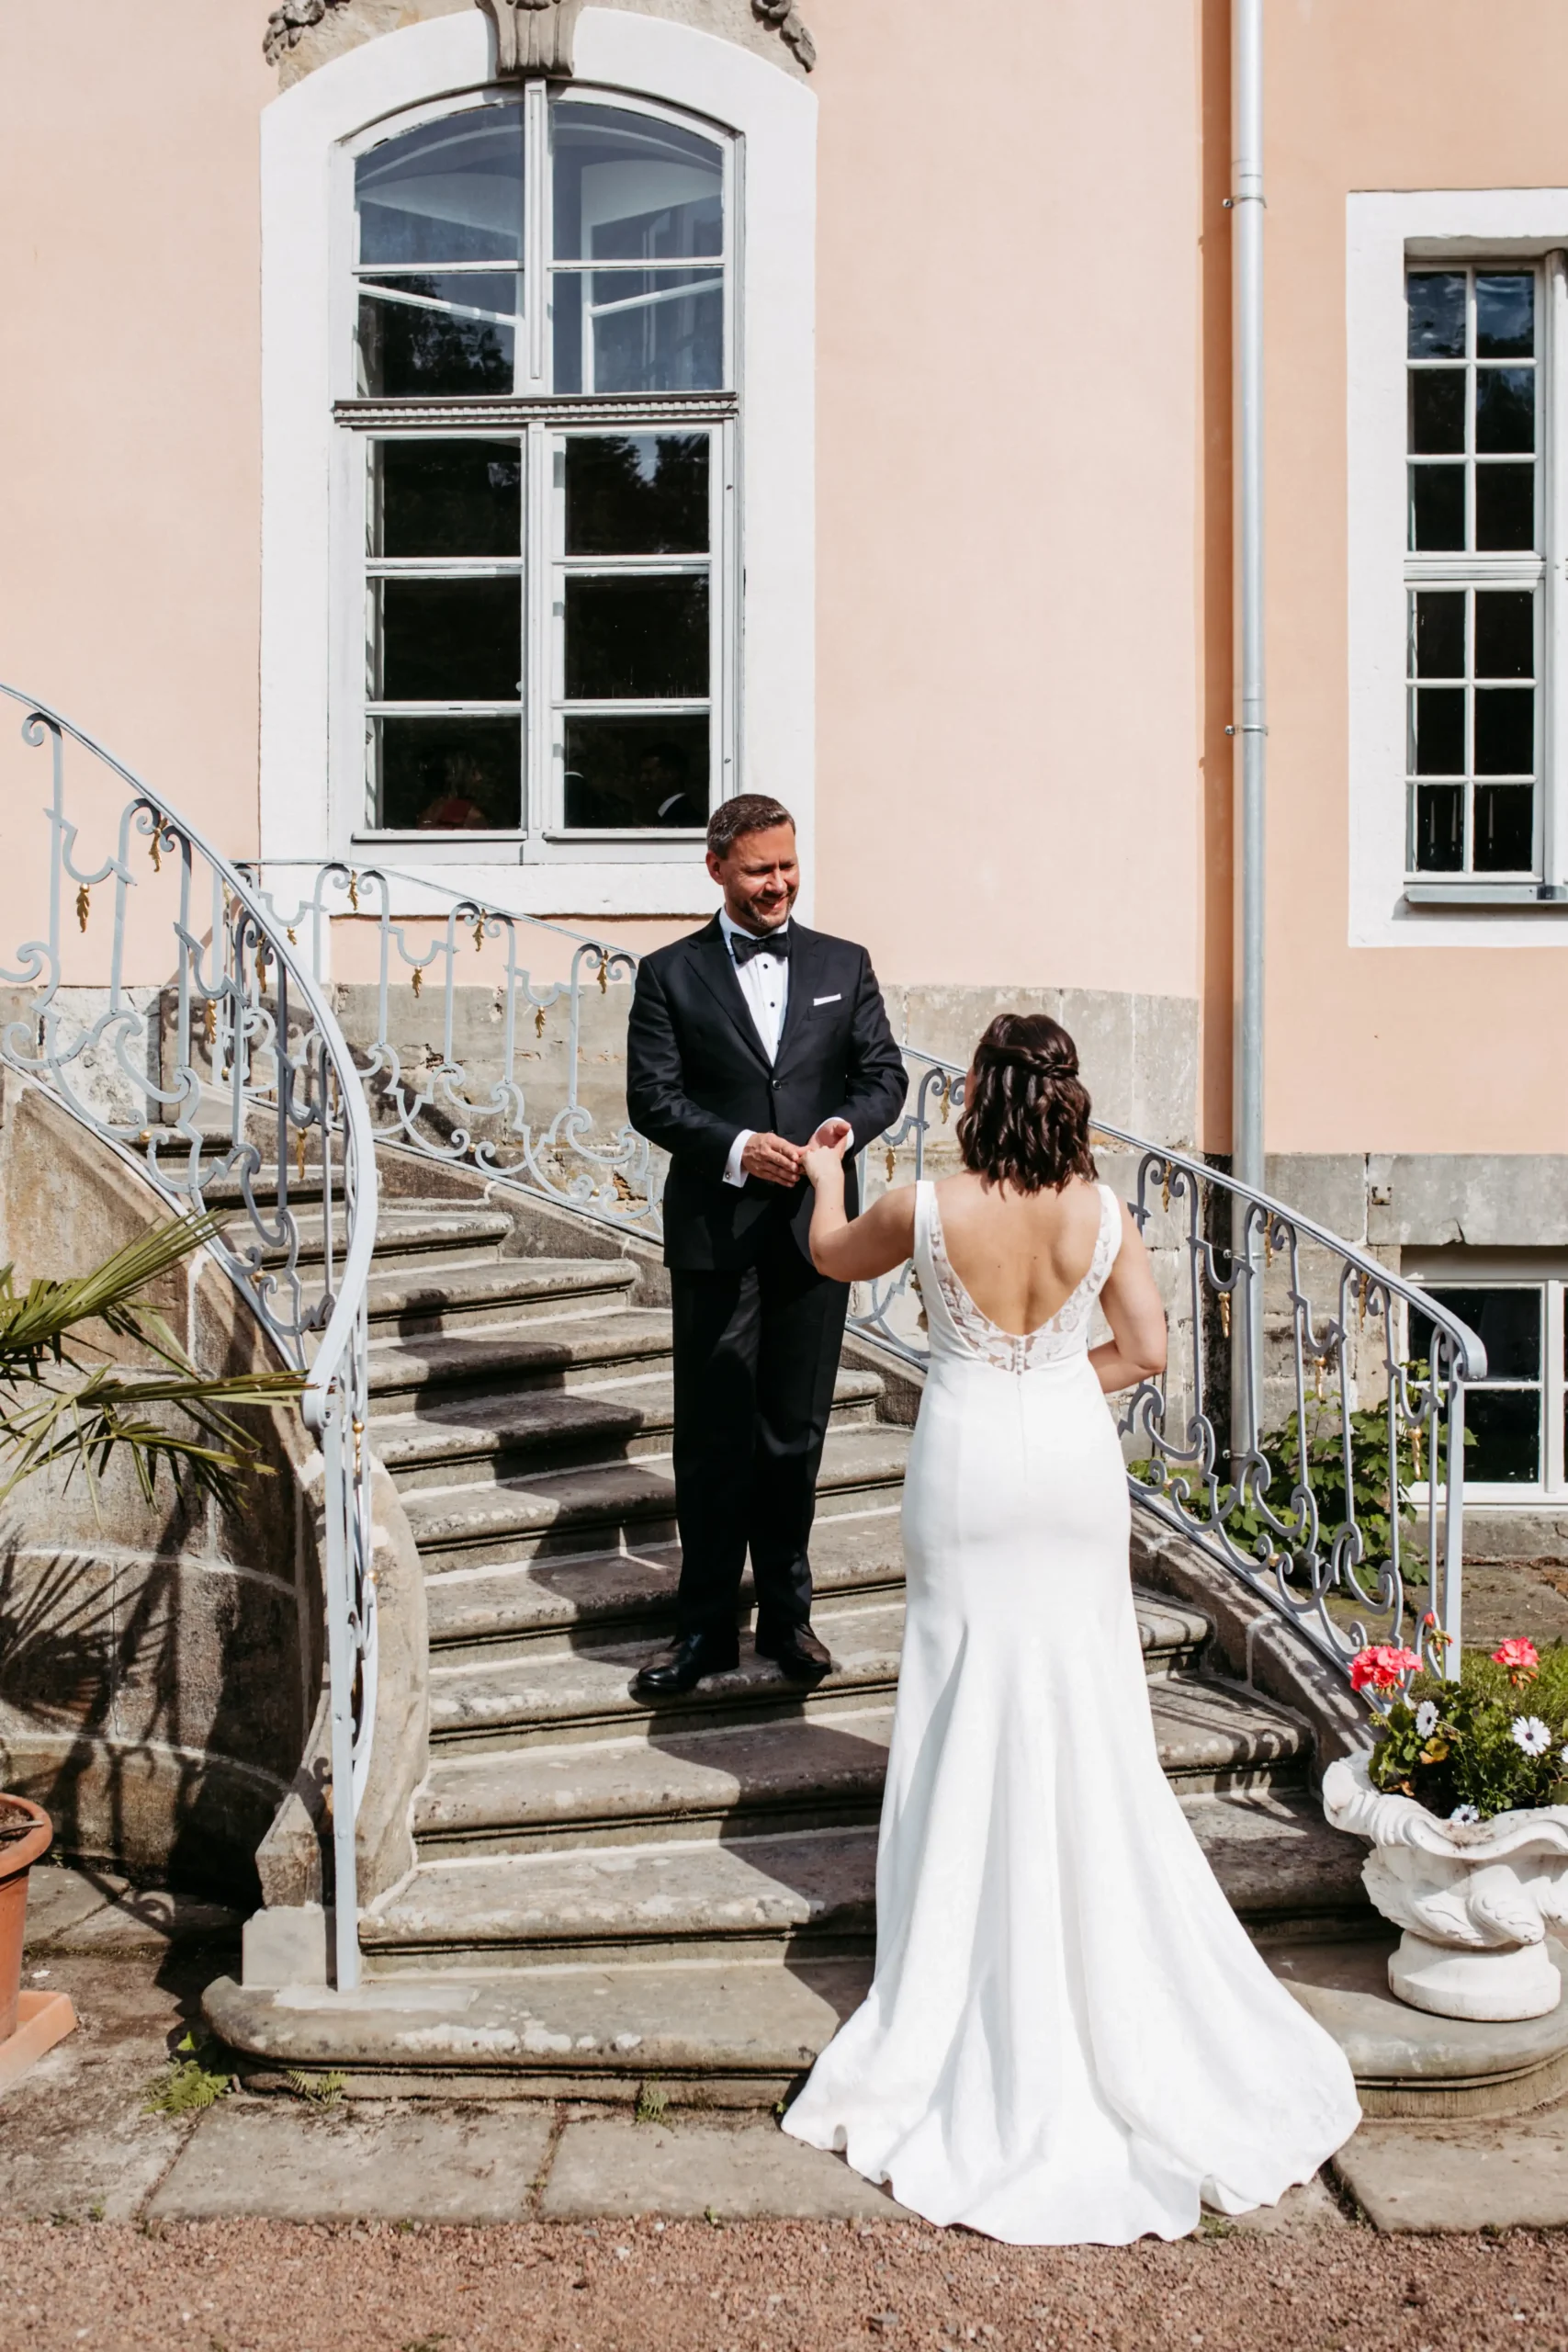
(1531, 1735)
(1464, 1813)
(1427, 1718)
(1562, 1759)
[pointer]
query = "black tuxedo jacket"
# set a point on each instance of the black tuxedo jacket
(696, 1074)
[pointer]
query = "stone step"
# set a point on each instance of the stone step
(702, 1900)
(228, 1192)
(489, 1613)
(575, 1509)
(410, 1237)
(481, 1440)
(486, 1613)
(738, 2034)
(454, 1297)
(542, 1351)
(578, 1695)
(805, 1893)
(798, 1772)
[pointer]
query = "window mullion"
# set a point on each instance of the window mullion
(538, 601)
(1555, 1468)
(1553, 428)
(537, 230)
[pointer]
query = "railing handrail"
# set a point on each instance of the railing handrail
(1471, 1353)
(333, 1403)
(353, 1286)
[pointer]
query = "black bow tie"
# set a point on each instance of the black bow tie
(743, 946)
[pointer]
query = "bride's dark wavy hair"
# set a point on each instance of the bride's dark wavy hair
(1026, 1112)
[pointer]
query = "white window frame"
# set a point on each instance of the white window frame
(543, 420)
(1386, 235)
(313, 469)
(1543, 1270)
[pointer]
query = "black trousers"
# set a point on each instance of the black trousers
(756, 1355)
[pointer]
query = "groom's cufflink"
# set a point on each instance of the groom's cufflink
(829, 1000)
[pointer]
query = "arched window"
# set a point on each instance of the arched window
(537, 391)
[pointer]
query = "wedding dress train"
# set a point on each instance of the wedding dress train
(1069, 2036)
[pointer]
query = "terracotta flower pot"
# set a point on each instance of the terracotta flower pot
(25, 1834)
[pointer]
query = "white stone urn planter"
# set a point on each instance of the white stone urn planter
(1475, 1899)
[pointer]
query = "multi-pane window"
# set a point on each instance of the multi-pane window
(1517, 1416)
(542, 370)
(1474, 571)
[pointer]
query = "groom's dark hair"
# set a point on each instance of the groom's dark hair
(1025, 1119)
(748, 812)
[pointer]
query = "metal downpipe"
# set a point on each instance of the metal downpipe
(1246, 207)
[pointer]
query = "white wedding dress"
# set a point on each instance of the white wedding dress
(1069, 2036)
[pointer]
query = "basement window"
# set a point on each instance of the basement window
(1519, 1415)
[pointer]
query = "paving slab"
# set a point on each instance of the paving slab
(60, 1898)
(607, 2167)
(150, 1919)
(75, 2142)
(294, 2162)
(1439, 2178)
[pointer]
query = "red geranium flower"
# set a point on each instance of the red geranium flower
(1382, 1667)
(1520, 1657)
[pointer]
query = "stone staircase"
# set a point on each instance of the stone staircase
(602, 1891)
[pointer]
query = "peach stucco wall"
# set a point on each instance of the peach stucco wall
(1007, 785)
(129, 357)
(1023, 491)
(1408, 1049)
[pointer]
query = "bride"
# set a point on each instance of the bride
(1069, 2035)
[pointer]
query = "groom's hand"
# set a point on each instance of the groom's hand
(771, 1158)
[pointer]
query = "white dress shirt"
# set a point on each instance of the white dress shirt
(764, 984)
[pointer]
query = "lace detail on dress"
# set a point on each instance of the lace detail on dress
(1066, 1332)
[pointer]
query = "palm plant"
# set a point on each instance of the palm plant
(58, 1406)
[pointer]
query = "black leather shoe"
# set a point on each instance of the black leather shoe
(797, 1652)
(689, 1663)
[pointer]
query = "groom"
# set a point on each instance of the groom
(748, 1040)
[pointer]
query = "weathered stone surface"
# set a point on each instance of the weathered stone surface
(1408, 2062)
(533, 1504)
(609, 2028)
(488, 1437)
(664, 1897)
(1485, 1200)
(1279, 1862)
(690, 2169)
(60, 1898)
(299, 2164)
(1437, 2177)
(584, 1687)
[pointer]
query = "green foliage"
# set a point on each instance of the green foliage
(326, 2090)
(59, 1406)
(189, 2082)
(653, 2100)
(1468, 1753)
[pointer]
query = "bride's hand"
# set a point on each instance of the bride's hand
(827, 1148)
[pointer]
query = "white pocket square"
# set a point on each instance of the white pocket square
(829, 1000)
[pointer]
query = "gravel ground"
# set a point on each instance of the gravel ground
(766, 2287)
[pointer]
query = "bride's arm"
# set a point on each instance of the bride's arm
(1136, 1349)
(875, 1242)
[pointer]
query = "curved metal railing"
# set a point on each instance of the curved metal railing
(182, 1023)
(1299, 1434)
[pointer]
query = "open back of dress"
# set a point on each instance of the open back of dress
(1069, 2036)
